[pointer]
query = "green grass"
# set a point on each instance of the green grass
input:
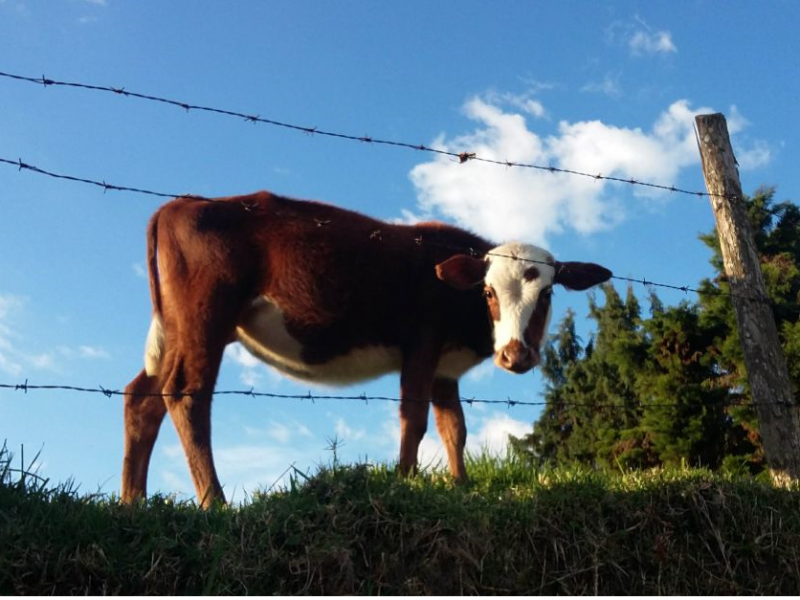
(364, 530)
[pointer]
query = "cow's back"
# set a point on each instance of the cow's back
(339, 282)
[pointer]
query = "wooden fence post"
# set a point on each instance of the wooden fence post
(774, 401)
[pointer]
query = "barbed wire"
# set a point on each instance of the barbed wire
(461, 157)
(105, 186)
(23, 166)
(366, 399)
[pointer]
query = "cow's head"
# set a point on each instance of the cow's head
(518, 282)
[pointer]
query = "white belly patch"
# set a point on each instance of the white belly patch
(263, 332)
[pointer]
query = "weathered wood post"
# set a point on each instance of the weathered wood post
(774, 401)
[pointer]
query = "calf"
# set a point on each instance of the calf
(330, 296)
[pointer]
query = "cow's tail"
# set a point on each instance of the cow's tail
(154, 347)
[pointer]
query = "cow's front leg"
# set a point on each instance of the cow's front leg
(450, 422)
(413, 424)
(416, 382)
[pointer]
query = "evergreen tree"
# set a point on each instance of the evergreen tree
(684, 414)
(671, 388)
(592, 411)
(776, 229)
(561, 353)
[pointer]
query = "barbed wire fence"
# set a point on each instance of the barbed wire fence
(461, 157)
(106, 186)
(363, 398)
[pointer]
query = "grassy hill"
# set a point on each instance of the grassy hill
(363, 530)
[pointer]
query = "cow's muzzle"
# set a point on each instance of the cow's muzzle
(517, 357)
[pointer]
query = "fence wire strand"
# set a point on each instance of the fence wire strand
(366, 399)
(105, 186)
(460, 157)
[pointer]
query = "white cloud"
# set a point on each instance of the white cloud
(248, 467)
(44, 361)
(609, 86)
(238, 354)
(346, 433)
(9, 304)
(80, 352)
(482, 372)
(640, 38)
(260, 467)
(173, 451)
(15, 359)
(487, 433)
(279, 432)
(524, 102)
(431, 453)
(530, 204)
(13, 362)
(644, 42)
(492, 436)
(9, 364)
(93, 352)
(527, 101)
(757, 155)
(252, 369)
(750, 154)
(176, 483)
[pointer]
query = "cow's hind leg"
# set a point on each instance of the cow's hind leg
(188, 393)
(450, 423)
(144, 412)
(196, 336)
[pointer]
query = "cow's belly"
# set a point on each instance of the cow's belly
(263, 332)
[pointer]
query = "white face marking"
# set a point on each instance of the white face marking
(517, 296)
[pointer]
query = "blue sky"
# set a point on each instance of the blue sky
(601, 87)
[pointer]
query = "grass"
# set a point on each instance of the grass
(363, 530)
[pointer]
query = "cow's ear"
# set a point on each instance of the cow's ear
(461, 271)
(580, 275)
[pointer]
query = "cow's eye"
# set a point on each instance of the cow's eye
(488, 293)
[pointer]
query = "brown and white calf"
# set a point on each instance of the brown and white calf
(330, 296)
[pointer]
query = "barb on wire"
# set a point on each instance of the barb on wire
(460, 157)
(508, 402)
(23, 166)
(320, 223)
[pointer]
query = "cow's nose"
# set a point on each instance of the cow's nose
(517, 357)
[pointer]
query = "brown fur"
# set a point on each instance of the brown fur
(344, 280)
